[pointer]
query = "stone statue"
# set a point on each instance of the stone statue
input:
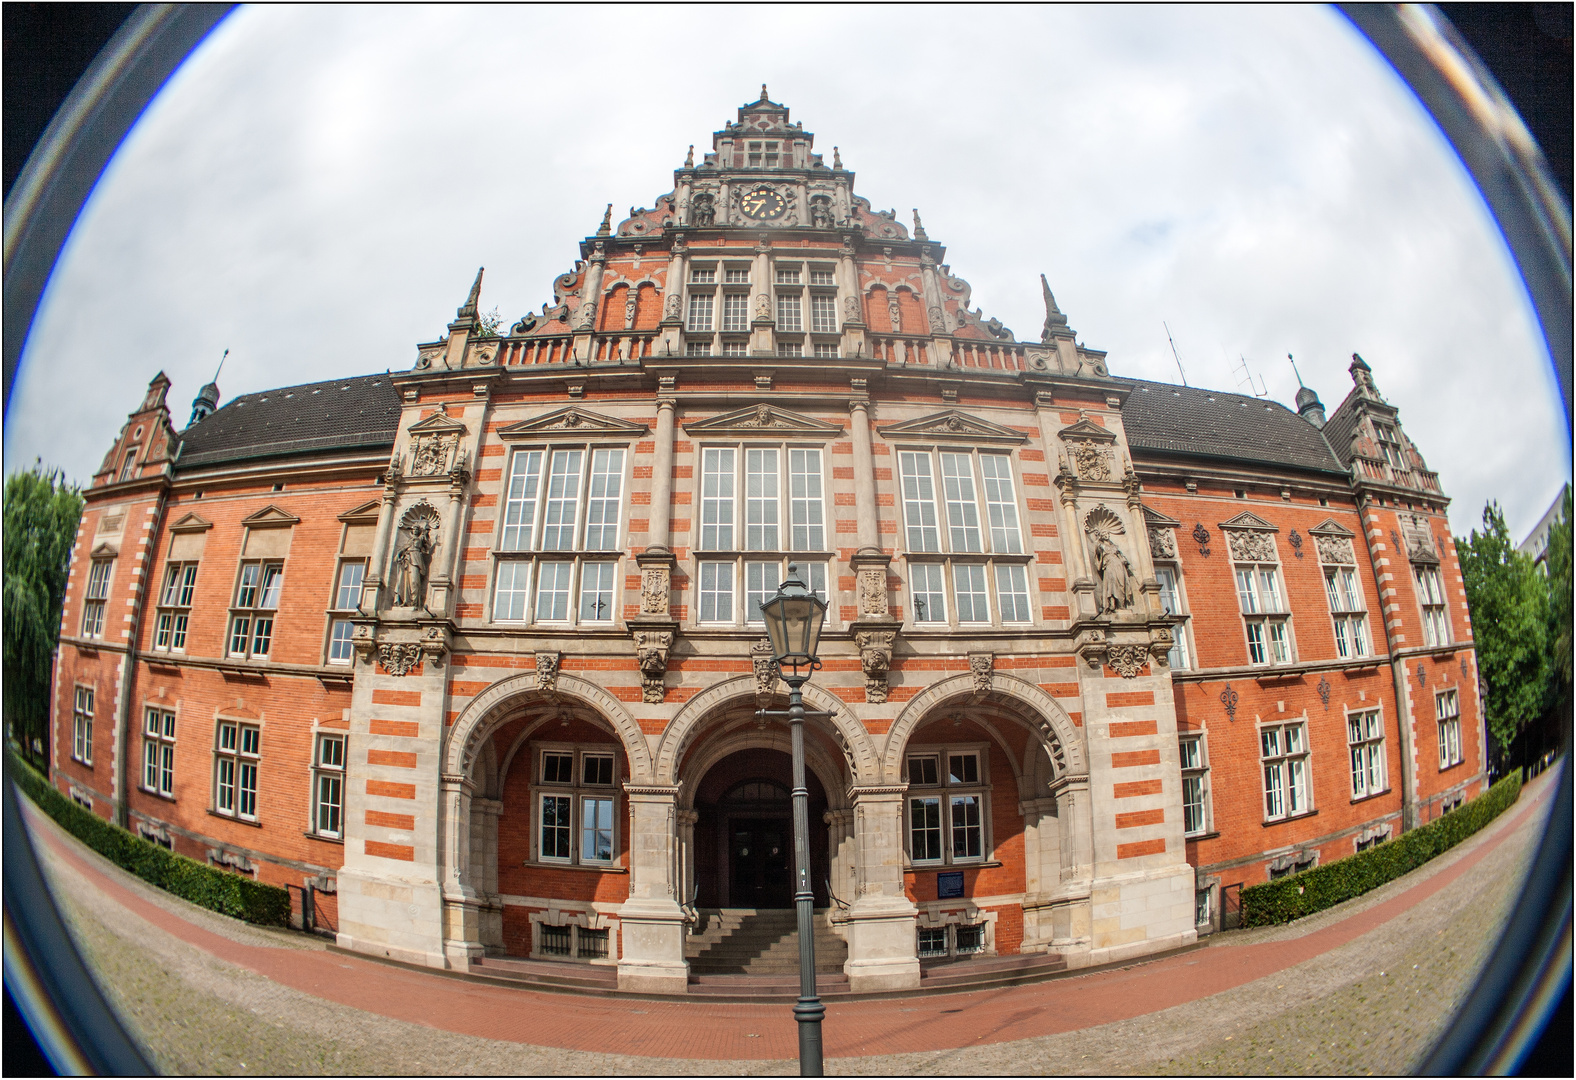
(703, 209)
(412, 565)
(820, 212)
(1116, 573)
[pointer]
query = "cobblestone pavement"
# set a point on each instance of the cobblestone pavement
(1372, 1005)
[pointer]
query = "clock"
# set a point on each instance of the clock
(763, 204)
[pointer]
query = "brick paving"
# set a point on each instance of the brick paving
(1365, 987)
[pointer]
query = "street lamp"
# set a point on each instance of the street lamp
(793, 622)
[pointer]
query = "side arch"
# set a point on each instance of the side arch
(863, 761)
(1018, 696)
(493, 705)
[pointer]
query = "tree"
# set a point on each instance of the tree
(41, 512)
(1557, 567)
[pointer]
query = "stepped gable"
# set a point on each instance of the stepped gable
(340, 414)
(1166, 419)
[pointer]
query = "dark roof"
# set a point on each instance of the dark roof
(1342, 422)
(1183, 420)
(342, 414)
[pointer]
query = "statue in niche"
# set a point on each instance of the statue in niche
(820, 212)
(1110, 565)
(703, 209)
(413, 563)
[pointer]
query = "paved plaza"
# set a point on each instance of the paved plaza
(1363, 988)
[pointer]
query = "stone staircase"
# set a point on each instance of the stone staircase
(759, 942)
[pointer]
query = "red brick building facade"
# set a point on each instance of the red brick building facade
(474, 648)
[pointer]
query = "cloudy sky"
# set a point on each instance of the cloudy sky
(315, 189)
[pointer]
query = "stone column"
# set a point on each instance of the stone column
(590, 301)
(850, 300)
(372, 587)
(462, 940)
(763, 319)
(840, 845)
(869, 534)
(441, 592)
(1041, 869)
(883, 952)
(662, 477)
(484, 869)
(653, 925)
(685, 874)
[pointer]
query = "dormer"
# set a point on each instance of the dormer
(145, 442)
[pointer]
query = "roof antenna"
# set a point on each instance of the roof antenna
(1174, 353)
(1247, 378)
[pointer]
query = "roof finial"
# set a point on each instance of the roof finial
(1295, 371)
(837, 159)
(763, 93)
(468, 309)
(1054, 319)
(689, 158)
(220, 367)
(919, 227)
(606, 228)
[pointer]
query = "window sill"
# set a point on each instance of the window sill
(84, 764)
(1371, 795)
(592, 868)
(157, 794)
(1452, 765)
(1292, 817)
(318, 836)
(1188, 837)
(926, 867)
(237, 820)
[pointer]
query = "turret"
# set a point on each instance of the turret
(207, 399)
(1309, 407)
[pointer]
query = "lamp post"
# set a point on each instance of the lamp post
(793, 622)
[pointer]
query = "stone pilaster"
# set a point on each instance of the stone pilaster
(653, 926)
(883, 952)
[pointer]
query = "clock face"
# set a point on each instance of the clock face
(762, 204)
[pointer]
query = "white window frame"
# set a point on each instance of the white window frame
(175, 602)
(329, 754)
(1447, 713)
(1344, 591)
(961, 507)
(254, 609)
(1193, 753)
(1174, 603)
(947, 792)
(344, 604)
(522, 565)
(1365, 745)
(158, 751)
(735, 312)
(95, 598)
(1286, 769)
(237, 761)
(1266, 618)
(1432, 603)
(583, 793)
(82, 725)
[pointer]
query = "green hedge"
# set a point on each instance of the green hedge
(226, 893)
(1325, 886)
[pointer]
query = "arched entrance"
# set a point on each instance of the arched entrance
(743, 846)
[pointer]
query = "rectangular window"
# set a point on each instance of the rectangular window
(955, 812)
(957, 483)
(563, 501)
(1345, 596)
(1195, 785)
(823, 314)
(1259, 594)
(519, 512)
(703, 275)
(591, 838)
(826, 351)
(1201, 906)
(557, 826)
(1431, 595)
(1283, 751)
(596, 591)
(596, 834)
(760, 585)
(919, 503)
(806, 504)
(822, 276)
(1001, 504)
(697, 348)
(1171, 603)
(760, 499)
(716, 592)
(1447, 709)
(716, 499)
(1365, 740)
(257, 594)
(1012, 592)
(736, 275)
(968, 589)
(790, 348)
(328, 786)
(82, 725)
(347, 598)
(511, 591)
(735, 312)
(552, 591)
(236, 758)
(158, 752)
(175, 601)
(1390, 445)
(930, 592)
(735, 348)
(788, 275)
(95, 597)
(790, 319)
(932, 941)
(699, 321)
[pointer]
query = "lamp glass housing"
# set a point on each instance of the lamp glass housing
(793, 622)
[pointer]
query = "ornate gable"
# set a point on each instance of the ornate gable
(573, 420)
(1162, 533)
(439, 423)
(764, 420)
(1247, 520)
(1086, 430)
(191, 523)
(270, 517)
(952, 425)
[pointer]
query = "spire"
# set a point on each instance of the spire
(606, 228)
(919, 227)
(1055, 321)
(468, 309)
(1363, 378)
(207, 399)
(1309, 407)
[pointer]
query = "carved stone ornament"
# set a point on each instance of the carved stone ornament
(547, 672)
(1163, 543)
(654, 591)
(1295, 540)
(1201, 538)
(872, 592)
(1251, 546)
(938, 322)
(364, 641)
(1334, 549)
(434, 643)
(1111, 567)
(895, 315)
(1093, 462)
(399, 657)
(851, 312)
(1127, 660)
(585, 314)
(651, 652)
(763, 308)
(875, 659)
(413, 560)
(672, 306)
(981, 665)
(430, 455)
(765, 670)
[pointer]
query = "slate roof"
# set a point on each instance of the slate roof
(361, 412)
(1342, 422)
(1192, 422)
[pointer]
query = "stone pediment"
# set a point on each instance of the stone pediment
(952, 424)
(437, 424)
(764, 420)
(1330, 527)
(191, 523)
(106, 550)
(1154, 519)
(270, 517)
(573, 420)
(1086, 430)
(365, 514)
(1247, 520)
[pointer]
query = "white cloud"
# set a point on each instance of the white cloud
(316, 188)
